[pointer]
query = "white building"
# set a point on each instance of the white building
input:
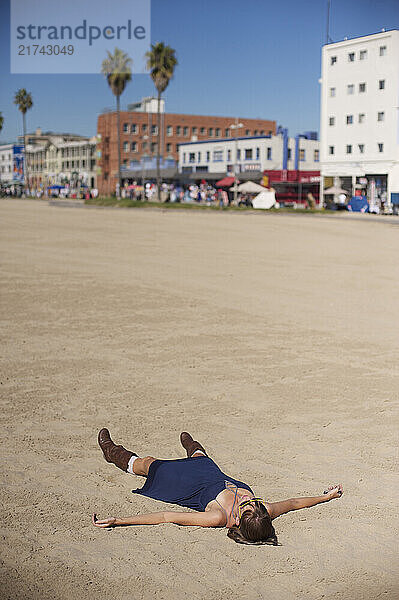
(359, 141)
(6, 162)
(58, 159)
(250, 154)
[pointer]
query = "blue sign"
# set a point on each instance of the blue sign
(18, 163)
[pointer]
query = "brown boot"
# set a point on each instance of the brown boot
(189, 444)
(113, 453)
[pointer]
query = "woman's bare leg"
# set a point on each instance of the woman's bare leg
(141, 465)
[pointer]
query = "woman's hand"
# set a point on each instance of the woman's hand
(334, 491)
(110, 522)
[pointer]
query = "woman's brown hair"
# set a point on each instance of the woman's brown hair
(255, 527)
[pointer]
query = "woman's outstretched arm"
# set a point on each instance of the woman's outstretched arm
(275, 509)
(202, 519)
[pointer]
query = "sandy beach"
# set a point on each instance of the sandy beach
(273, 339)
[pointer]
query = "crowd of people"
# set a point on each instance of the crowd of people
(201, 193)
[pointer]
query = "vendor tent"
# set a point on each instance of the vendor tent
(335, 190)
(266, 199)
(250, 187)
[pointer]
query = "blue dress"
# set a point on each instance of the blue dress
(190, 482)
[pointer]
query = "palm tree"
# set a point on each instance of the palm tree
(24, 101)
(117, 70)
(161, 61)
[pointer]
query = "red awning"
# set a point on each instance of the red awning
(226, 182)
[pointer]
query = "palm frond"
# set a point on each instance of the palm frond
(23, 100)
(117, 70)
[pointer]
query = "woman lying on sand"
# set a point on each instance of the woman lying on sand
(197, 482)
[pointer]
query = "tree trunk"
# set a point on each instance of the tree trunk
(119, 144)
(159, 148)
(26, 178)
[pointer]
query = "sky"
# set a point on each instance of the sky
(252, 58)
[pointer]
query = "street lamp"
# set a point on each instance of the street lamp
(235, 126)
(143, 159)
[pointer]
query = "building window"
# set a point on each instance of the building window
(125, 127)
(144, 128)
(194, 131)
(210, 132)
(316, 155)
(133, 128)
(331, 121)
(134, 146)
(199, 157)
(302, 154)
(191, 157)
(208, 156)
(383, 50)
(154, 147)
(256, 132)
(228, 154)
(350, 88)
(330, 149)
(217, 155)
(227, 132)
(125, 162)
(332, 92)
(380, 116)
(361, 148)
(349, 119)
(248, 153)
(380, 147)
(185, 131)
(177, 147)
(144, 146)
(247, 132)
(362, 88)
(363, 54)
(125, 146)
(184, 157)
(289, 153)
(351, 57)
(362, 117)
(349, 148)
(168, 147)
(178, 130)
(169, 130)
(154, 130)
(238, 154)
(269, 154)
(333, 60)
(381, 84)
(202, 131)
(217, 132)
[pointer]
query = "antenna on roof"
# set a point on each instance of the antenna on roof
(328, 39)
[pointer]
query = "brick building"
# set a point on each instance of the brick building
(139, 137)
